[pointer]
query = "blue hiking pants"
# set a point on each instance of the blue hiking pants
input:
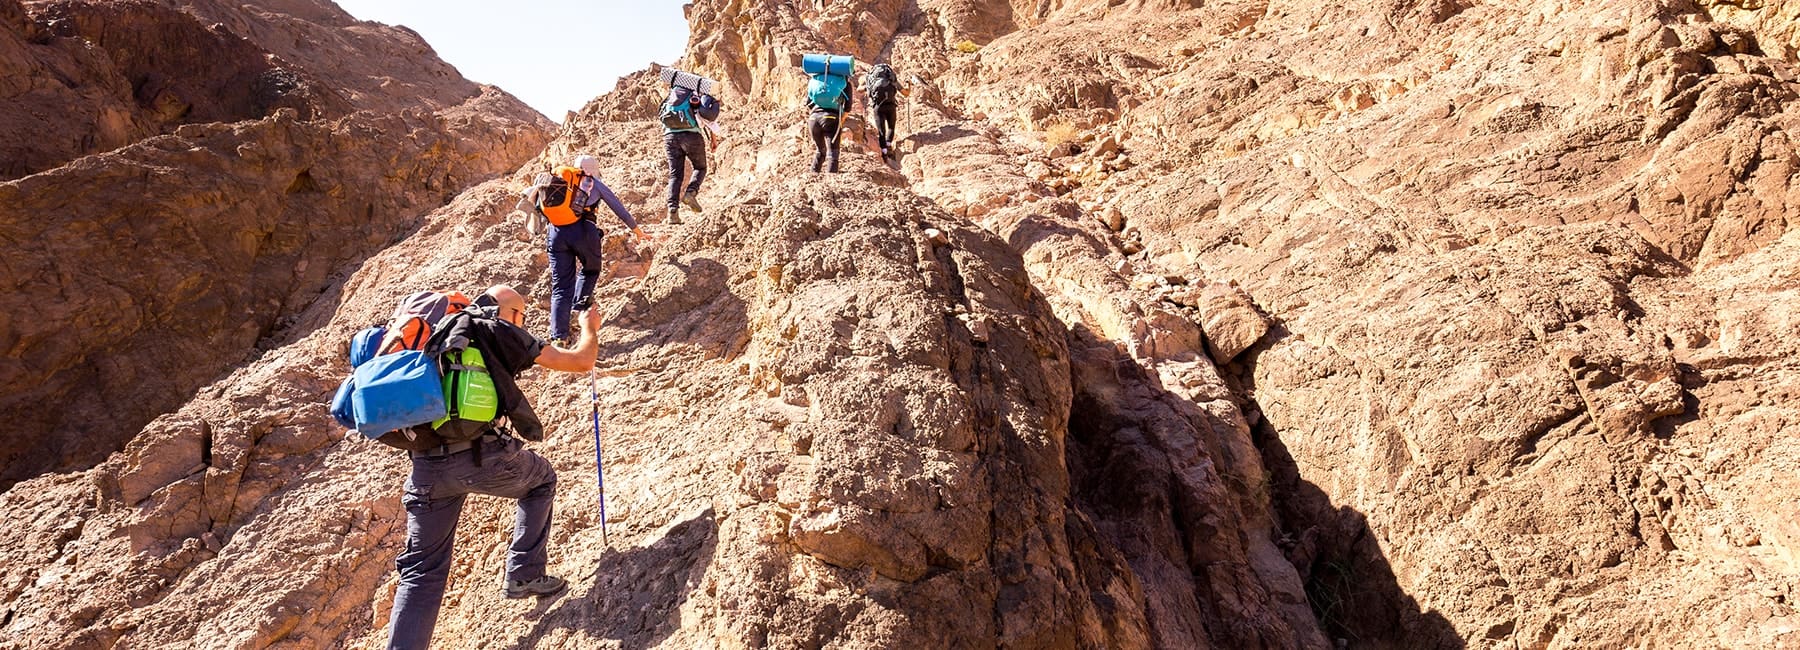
(576, 242)
(434, 500)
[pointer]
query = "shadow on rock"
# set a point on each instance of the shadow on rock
(1175, 485)
(1350, 583)
(634, 595)
(939, 135)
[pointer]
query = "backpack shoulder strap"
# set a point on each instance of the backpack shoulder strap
(450, 333)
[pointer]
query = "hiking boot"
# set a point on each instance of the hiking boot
(674, 217)
(692, 202)
(582, 304)
(543, 586)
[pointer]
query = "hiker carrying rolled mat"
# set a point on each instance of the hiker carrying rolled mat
(684, 141)
(494, 462)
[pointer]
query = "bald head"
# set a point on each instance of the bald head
(511, 304)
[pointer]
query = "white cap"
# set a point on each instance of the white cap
(588, 165)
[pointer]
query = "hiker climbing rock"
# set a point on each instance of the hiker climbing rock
(827, 100)
(684, 113)
(882, 87)
(570, 203)
(493, 462)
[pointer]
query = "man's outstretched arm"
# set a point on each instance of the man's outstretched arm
(581, 357)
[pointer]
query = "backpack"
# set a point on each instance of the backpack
(707, 107)
(416, 316)
(826, 91)
(678, 111)
(880, 84)
(556, 199)
(471, 401)
(397, 386)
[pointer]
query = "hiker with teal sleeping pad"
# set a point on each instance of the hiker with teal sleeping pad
(470, 444)
(827, 101)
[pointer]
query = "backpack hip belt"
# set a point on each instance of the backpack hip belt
(451, 449)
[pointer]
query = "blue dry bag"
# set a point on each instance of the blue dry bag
(341, 408)
(363, 347)
(366, 344)
(396, 391)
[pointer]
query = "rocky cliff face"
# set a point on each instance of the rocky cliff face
(1419, 324)
(229, 186)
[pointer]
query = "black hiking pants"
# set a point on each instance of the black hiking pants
(884, 124)
(824, 129)
(688, 147)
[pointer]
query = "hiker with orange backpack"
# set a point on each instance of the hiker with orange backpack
(569, 201)
(468, 444)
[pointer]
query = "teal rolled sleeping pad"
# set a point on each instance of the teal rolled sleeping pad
(837, 66)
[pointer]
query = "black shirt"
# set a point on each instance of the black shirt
(509, 347)
(508, 351)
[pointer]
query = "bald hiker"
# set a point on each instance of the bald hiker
(494, 463)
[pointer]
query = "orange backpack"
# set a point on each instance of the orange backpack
(557, 200)
(415, 317)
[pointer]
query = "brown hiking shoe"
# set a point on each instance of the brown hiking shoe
(543, 586)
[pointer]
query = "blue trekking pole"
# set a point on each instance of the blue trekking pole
(599, 470)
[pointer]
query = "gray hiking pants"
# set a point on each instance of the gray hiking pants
(434, 500)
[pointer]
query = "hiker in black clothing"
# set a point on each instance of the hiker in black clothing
(494, 463)
(824, 124)
(882, 87)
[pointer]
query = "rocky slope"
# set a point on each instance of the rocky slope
(229, 186)
(1420, 324)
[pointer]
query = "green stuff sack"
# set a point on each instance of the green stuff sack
(469, 395)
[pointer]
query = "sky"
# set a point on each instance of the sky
(525, 46)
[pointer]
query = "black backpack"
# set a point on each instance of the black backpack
(881, 85)
(554, 195)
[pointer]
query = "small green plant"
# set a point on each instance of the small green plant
(967, 46)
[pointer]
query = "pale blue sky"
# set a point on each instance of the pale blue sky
(528, 46)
